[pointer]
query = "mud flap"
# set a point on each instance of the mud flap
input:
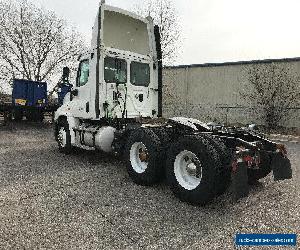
(281, 166)
(240, 180)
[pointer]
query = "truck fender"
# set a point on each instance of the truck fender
(194, 124)
(72, 122)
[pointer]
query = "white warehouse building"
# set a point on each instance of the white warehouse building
(211, 92)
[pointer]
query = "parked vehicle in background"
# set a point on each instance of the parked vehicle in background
(29, 99)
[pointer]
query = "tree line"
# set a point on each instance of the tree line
(35, 43)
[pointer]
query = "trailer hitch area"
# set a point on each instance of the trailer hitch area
(245, 158)
(240, 173)
(280, 164)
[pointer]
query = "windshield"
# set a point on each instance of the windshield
(140, 74)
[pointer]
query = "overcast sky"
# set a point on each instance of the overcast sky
(213, 30)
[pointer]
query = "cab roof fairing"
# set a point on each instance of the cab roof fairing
(125, 12)
(103, 7)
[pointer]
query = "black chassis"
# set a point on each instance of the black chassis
(250, 141)
(232, 137)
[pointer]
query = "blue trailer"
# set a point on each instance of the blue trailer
(29, 99)
(29, 93)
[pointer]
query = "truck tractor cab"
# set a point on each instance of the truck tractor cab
(114, 105)
(117, 78)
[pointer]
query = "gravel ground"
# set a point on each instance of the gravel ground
(87, 201)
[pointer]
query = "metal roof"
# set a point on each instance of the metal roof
(295, 59)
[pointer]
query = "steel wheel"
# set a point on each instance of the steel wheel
(191, 169)
(188, 170)
(139, 157)
(62, 137)
(143, 154)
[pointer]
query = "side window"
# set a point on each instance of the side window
(83, 73)
(115, 70)
(140, 74)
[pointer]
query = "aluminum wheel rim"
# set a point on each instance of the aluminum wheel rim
(62, 137)
(188, 170)
(138, 164)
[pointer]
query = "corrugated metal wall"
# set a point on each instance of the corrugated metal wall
(211, 92)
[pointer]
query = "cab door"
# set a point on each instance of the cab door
(81, 96)
(116, 80)
(139, 94)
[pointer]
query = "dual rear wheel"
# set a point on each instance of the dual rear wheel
(192, 165)
(195, 166)
(144, 156)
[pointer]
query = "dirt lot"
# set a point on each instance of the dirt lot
(87, 201)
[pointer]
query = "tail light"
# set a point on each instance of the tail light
(251, 159)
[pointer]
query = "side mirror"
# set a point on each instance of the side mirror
(66, 73)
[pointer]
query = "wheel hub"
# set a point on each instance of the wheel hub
(143, 155)
(188, 170)
(139, 157)
(191, 169)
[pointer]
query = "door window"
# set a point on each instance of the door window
(115, 70)
(140, 74)
(83, 73)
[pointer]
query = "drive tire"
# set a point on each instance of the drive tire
(207, 155)
(144, 143)
(165, 140)
(224, 173)
(63, 137)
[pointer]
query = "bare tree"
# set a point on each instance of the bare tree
(166, 17)
(274, 89)
(34, 43)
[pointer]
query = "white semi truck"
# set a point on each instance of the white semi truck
(116, 106)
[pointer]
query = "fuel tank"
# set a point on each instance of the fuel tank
(97, 137)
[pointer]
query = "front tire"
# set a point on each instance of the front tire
(191, 170)
(63, 137)
(144, 157)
